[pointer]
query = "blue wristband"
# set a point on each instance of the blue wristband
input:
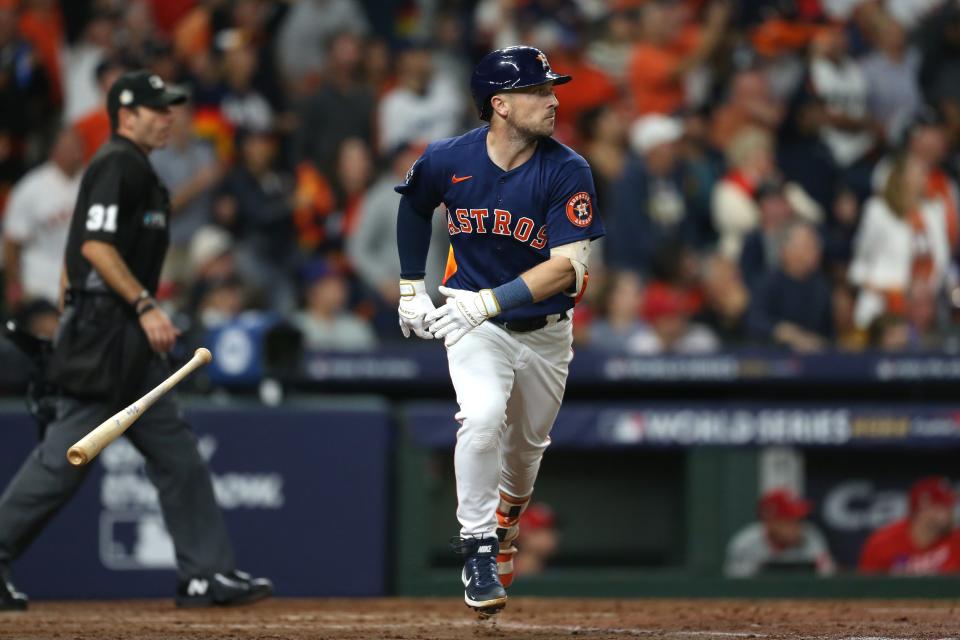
(513, 294)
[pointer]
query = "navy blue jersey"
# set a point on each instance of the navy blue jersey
(503, 223)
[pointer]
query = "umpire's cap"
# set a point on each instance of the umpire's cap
(140, 89)
(510, 68)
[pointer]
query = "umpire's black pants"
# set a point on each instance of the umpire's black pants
(46, 481)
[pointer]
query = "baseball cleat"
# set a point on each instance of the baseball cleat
(482, 590)
(222, 590)
(10, 598)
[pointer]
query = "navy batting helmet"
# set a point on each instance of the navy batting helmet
(510, 68)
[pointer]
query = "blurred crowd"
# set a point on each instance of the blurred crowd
(778, 172)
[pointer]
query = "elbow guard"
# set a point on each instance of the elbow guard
(578, 253)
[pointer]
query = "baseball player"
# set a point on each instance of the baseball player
(521, 214)
(110, 349)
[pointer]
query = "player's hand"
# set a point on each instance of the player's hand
(463, 312)
(159, 329)
(414, 305)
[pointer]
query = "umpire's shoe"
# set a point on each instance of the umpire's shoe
(223, 590)
(482, 590)
(10, 598)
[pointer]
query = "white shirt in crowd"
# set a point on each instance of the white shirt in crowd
(406, 116)
(843, 88)
(750, 551)
(38, 218)
(883, 254)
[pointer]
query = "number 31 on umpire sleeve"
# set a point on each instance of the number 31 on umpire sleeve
(102, 218)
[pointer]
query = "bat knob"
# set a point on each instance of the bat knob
(203, 354)
(77, 456)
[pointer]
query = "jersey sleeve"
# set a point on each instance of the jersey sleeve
(103, 214)
(421, 186)
(572, 213)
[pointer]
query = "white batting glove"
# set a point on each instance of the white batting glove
(463, 312)
(414, 305)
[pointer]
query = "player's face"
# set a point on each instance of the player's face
(533, 110)
(151, 126)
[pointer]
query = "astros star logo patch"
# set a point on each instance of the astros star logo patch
(580, 209)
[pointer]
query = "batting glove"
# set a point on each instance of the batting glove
(414, 305)
(463, 312)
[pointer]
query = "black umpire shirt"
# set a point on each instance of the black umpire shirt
(122, 202)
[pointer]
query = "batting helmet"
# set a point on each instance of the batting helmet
(510, 68)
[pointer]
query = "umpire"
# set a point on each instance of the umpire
(111, 348)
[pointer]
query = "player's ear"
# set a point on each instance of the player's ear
(500, 104)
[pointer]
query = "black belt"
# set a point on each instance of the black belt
(525, 325)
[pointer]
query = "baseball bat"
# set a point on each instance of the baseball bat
(87, 448)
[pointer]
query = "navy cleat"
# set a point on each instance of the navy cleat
(223, 590)
(482, 590)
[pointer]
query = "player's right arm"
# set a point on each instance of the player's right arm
(419, 199)
(103, 218)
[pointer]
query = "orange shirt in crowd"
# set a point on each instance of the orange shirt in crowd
(891, 550)
(653, 85)
(592, 89)
(167, 13)
(94, 130)
(44, 29)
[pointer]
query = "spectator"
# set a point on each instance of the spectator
(735, 211)
(726, 301)
(423, 107)
(923, 543)
(925, 139)
(890, 72)
(781, 541)
(889, 333)
(611, 50)
(750, 104)
(372, 248)
(93, 126)
(242, 104)
(669, 312)
(255, 202)
(344, 107)
(305, 35)
(25, 98)
(595, 89)
(793, 305)
(84, 87)
(324, 321)
(603, 135)
(620, 323)
(210, 262)
(37, 220)
(191, 172)
(750, 157)
(902, 238)
(538, 541)
(647, 207)
(669, 51)
(761, 247)
(839, 81)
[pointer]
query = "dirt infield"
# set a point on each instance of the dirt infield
(524, 619)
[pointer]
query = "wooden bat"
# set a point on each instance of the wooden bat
(87, 448)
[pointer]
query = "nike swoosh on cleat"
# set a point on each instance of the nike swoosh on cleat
(455, 179)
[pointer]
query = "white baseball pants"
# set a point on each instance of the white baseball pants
(509, 387)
